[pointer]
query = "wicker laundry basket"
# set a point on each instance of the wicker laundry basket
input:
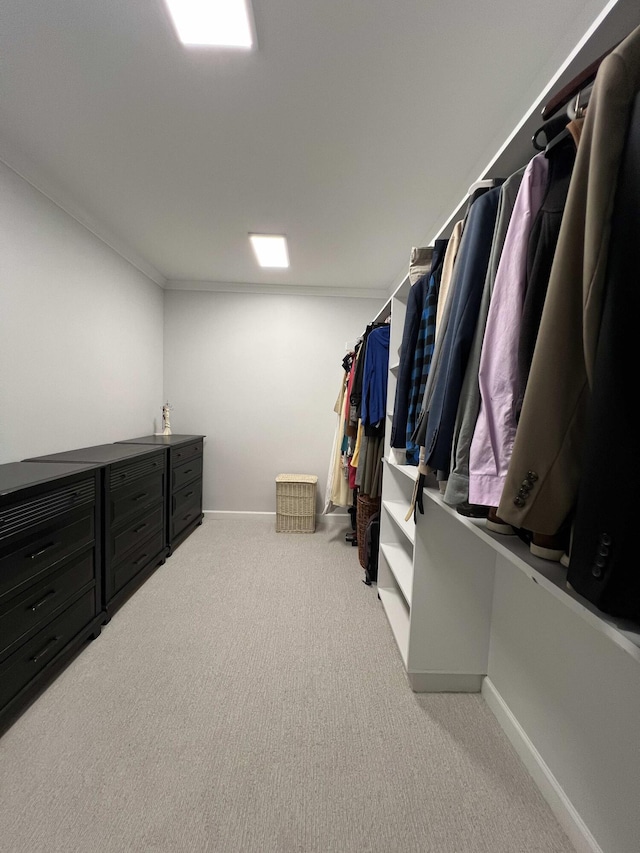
(296, 503)
(366, 507)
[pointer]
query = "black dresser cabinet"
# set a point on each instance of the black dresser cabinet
(51, 599)
(134, 490)
(184, 459)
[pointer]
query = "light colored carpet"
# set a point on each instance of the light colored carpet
(249, 698)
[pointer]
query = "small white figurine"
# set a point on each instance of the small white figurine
(166, 422)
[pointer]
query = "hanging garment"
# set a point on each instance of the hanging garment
(368, 477)
(447, 271)
(542, 481)
(419, 263)
(542, 246)
(337, 488)
(351, 425)
(423, 350)
(495, 428)
(370, 467)
(374, 379)
(603, 564)
(356, 391)
(415, 304)
(443, 315)
(471, 269)
(457, 488)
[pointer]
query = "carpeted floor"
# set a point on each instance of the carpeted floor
(249, 698)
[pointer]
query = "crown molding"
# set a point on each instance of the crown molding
(19, 166)
(277, 289)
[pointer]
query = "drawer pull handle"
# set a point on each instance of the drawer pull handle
(142, 527)
(42, 601)
(41, 551)
(140, 559)
(188, 515)
(140, 496)
(123, 476)
(188, 471)
(45, 650)
(188, 494)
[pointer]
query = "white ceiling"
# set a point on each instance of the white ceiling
(355, 128)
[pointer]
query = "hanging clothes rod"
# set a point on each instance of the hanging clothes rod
(555, 127)
(571, 90)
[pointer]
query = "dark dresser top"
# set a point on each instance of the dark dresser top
(20, 475)
(163, 440)
(104, 454)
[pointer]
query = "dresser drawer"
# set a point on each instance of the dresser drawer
(186, 452)
(185, 473)
(27, 515)
(188, 494)
(24, 664)
(137, 560)
(34, 606)
(125, 473)
(186, 515)
(135, 496)
(136, 532)
(32, 556)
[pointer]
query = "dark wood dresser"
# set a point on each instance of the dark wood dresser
(51, 598)
(134, 494)
(184, 460)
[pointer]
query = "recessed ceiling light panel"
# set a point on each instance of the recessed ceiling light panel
(270, 249)
(222, 23)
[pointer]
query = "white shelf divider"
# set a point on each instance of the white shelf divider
(397, 511)
(401, 566)
(398, 617)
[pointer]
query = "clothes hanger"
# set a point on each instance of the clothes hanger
(579, 82)
(548, 130)
(575, 110)
(554, 130)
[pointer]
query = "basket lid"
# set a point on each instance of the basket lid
(296, 478)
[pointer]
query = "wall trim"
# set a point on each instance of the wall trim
(57, 197)
(230, 513)
(220, 514)
(277, 289)
(562, 807)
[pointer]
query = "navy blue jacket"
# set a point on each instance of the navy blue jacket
(470, 271)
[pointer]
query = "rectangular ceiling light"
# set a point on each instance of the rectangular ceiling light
(270, 249)
(223, 23)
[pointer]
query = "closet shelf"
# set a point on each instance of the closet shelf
(549, 575)
(394, 367)
(409, 471)
(398, 617)
(397, 511)
(401, 566)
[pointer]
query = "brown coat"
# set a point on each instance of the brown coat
(542, 480)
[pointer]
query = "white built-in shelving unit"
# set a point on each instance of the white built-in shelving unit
(473, 611)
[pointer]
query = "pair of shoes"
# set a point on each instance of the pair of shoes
(497, 525)
(547, 547)
(472, 510)
(555, 547)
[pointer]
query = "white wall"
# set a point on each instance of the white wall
(80, 333)
(259, 375)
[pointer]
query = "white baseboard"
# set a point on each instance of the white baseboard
(341, 518)
(223, 513)
(445, 682)
(550, 788)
